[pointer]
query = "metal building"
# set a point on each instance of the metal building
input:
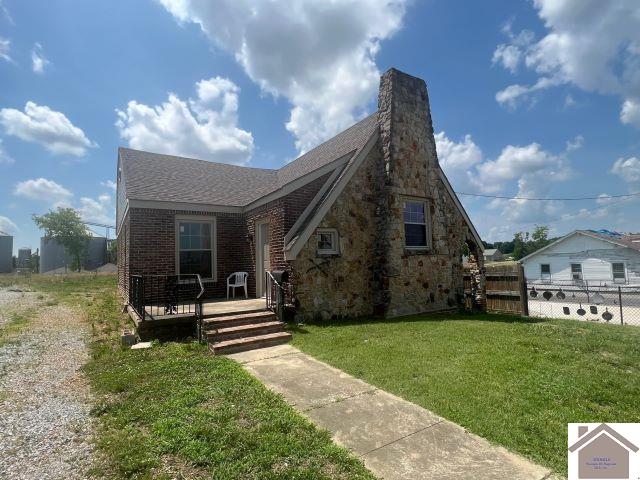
(24, 257)
(53, 256)
(6, 253)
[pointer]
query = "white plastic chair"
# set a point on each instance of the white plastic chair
(237, 280)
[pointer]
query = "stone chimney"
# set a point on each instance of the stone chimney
(409, 168)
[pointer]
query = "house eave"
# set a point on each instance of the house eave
(295, 245)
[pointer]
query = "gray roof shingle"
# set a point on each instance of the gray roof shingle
(153, 176)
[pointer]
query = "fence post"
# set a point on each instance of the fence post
(620, 303)
(522, 282)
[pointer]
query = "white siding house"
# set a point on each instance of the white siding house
(585, 255)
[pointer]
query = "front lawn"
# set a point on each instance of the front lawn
(177, 412)
(516, 382)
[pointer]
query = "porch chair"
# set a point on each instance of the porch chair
(236, 280)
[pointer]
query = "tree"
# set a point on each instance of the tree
(525, 244)
(66, 227)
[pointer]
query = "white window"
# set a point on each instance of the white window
(576, 271)
(545, 271)
(619, 272)
(327, 241)
(416, 227)
(195, 247)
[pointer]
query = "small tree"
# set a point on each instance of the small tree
(65, 227)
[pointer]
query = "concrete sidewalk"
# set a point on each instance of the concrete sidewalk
(395, 438)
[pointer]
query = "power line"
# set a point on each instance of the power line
(567, 199)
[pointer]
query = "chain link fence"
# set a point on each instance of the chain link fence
(593, 301)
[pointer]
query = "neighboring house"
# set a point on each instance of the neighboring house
(597, 257)
(493, 255)
(366, 223)
(602, 453)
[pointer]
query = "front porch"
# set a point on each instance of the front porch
(170, 307)
(210, 308)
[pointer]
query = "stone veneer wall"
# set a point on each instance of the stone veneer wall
(411, 281)
(341, 286)
(374, 272)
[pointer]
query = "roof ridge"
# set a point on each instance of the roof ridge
(276, 170)
(209, 162)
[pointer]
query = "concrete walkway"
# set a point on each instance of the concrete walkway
(395, 438)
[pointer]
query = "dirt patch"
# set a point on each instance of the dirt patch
(44, 399)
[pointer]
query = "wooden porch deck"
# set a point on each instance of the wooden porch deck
(210, 308)
(223, 306)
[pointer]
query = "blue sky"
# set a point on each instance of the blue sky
(532, 98)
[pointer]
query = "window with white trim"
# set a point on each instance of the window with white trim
(576, 271)
(416, 228)
(327, 241)
(619, 273)
(545, 271)
(196, 243)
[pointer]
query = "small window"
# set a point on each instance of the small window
(576, 271)
(619, 273)
(327, 239)
(195, 248)
(545, 271)
(415, 225)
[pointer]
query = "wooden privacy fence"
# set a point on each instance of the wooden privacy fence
(505, 288)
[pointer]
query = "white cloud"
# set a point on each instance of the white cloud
(205, 127)
(511, 54)
(513, 94)
(627, 168)
(630, 113)
(5, 48)
(592, 45)
(319, 55)
(44, 190)
(5, 158)
(51, 129)
(110, 184)
(604, 199)
(530, 167)
(458, 158)
(38, 60)
(521, 163)
(7, 226)
(98, 210)
(575, 144)
(454, 155)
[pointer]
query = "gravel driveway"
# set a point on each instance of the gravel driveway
(45, 426)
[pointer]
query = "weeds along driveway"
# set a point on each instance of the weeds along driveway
(45, 425)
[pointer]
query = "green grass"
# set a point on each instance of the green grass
(514, 381)
(17, 321)
(175, 411)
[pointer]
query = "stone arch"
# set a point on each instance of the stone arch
(475, 291)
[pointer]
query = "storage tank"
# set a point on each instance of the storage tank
(53, 256)
(6, 253)
(24, 257)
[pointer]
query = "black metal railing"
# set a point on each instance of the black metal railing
(277, 295)
(159, 296)
(597, 301)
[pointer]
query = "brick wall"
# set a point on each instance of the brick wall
(146, 243)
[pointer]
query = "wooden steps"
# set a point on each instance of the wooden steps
(237, 332)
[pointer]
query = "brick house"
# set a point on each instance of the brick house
(366, 223)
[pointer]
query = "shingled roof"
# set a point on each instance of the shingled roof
(157, 177)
